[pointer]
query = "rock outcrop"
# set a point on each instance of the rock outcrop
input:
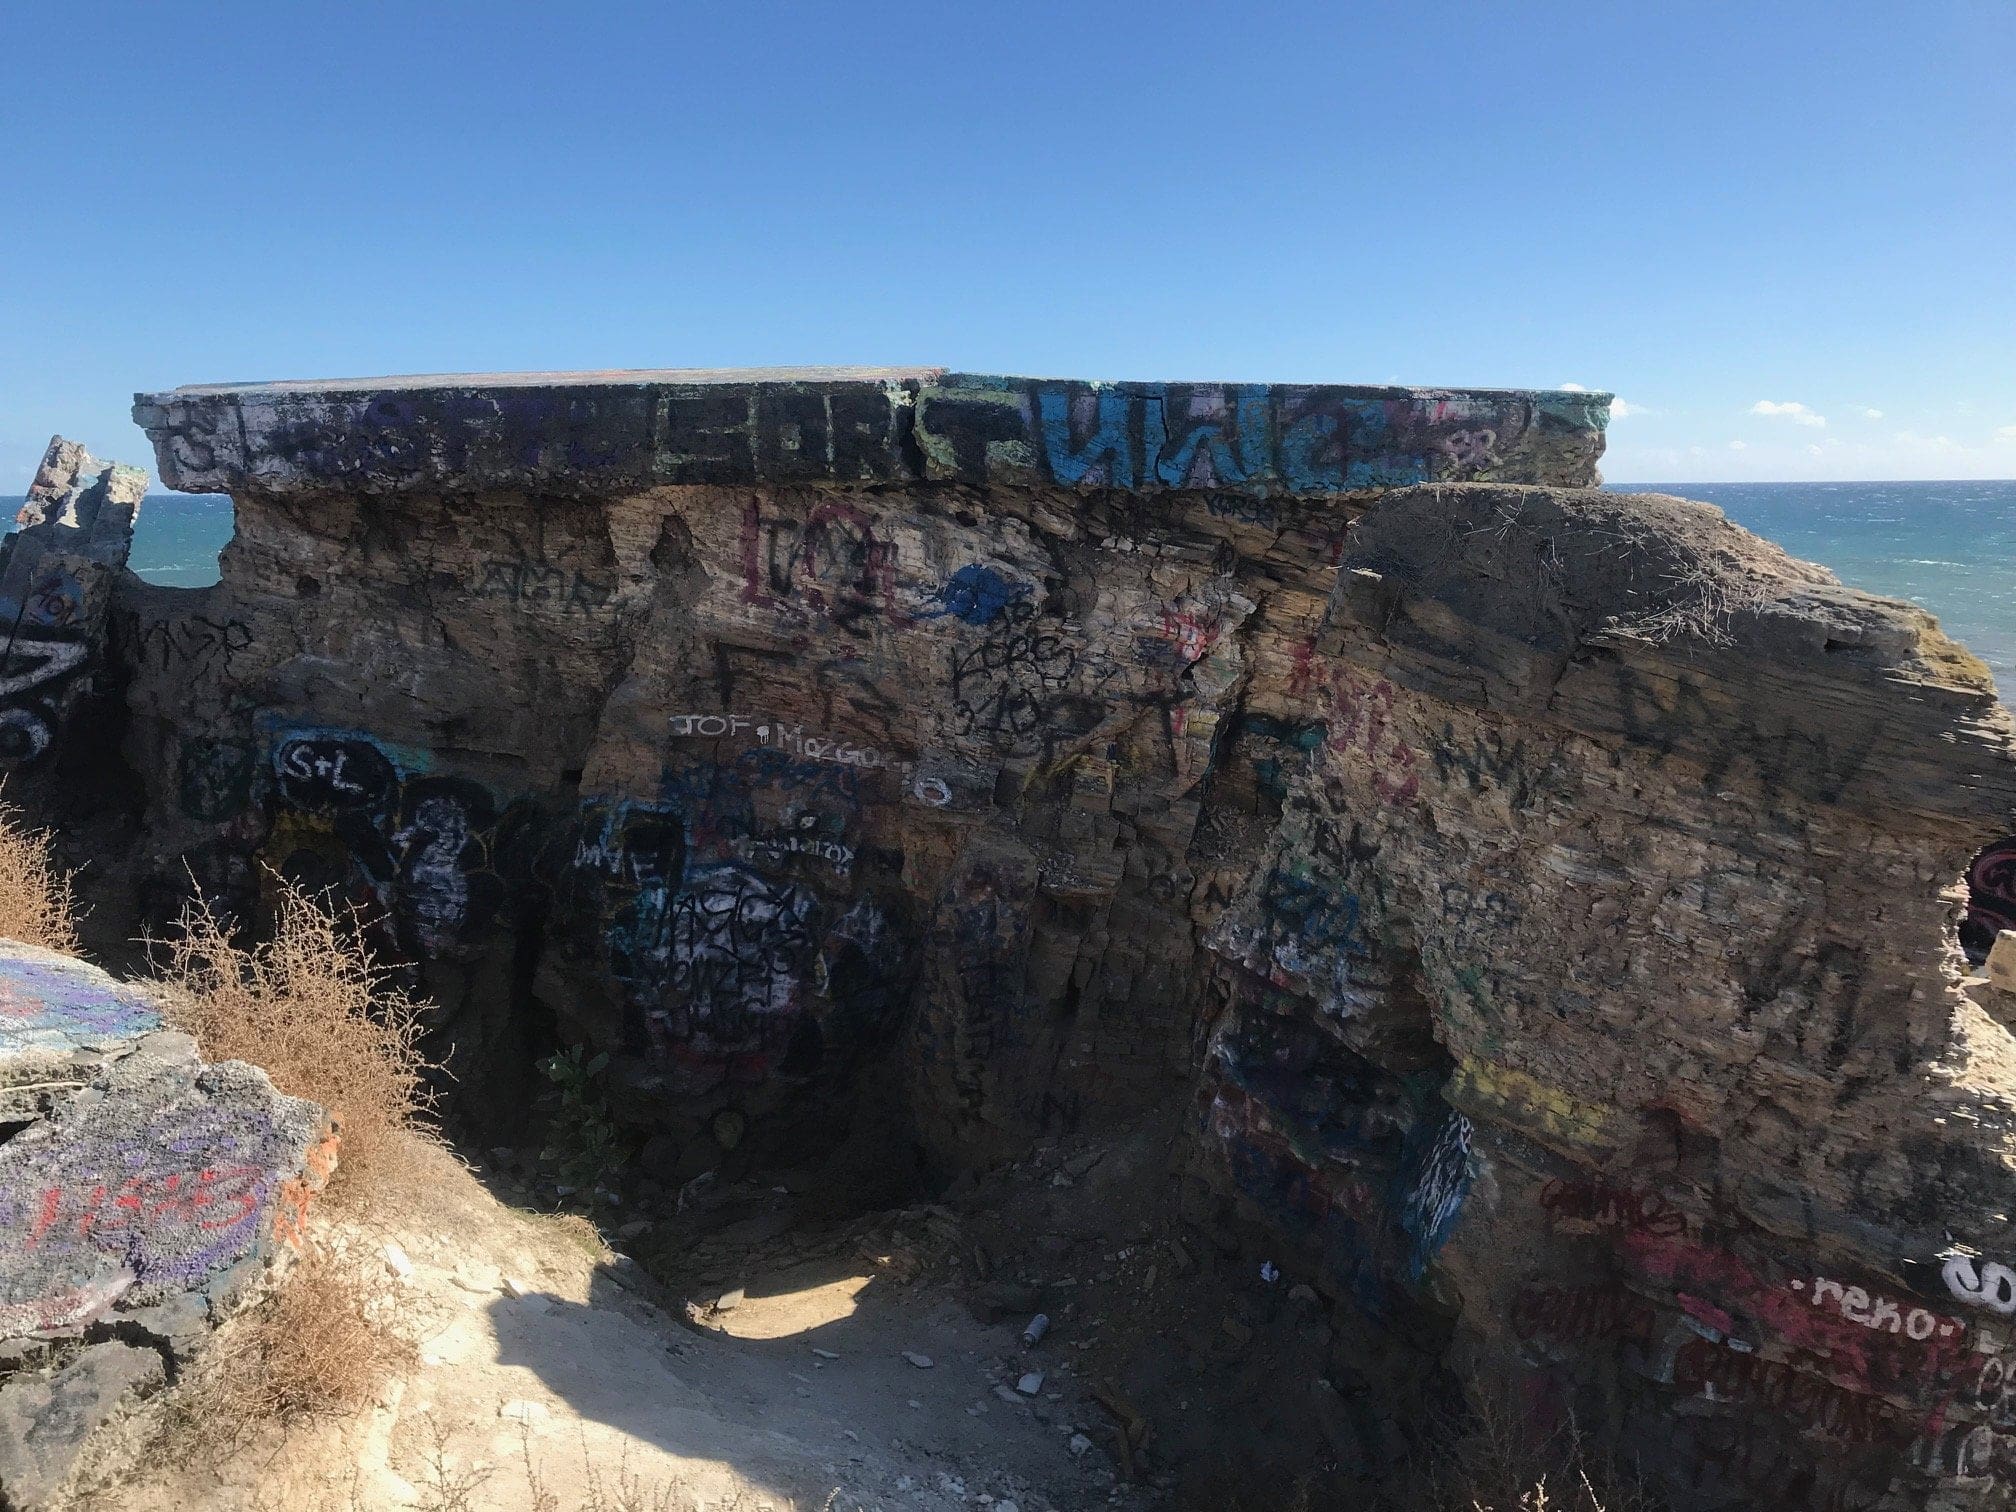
(1547, 900)
(144, 1196)
(56, 578)
(1727, 1151)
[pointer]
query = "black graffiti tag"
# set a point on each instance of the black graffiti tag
(197, 644)
(215, 778)
(530, 583)
(739, 945)
(1006, 685)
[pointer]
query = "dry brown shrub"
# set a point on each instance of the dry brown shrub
(322, 1344)
(35, 903)
(1492, 1460)
(308, 1007)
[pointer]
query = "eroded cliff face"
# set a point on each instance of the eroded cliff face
(1542, 903)
(1679, 882)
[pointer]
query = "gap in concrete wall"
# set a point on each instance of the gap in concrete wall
(179, 537)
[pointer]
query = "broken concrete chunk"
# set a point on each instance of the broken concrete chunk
(163, 1178)
(2001, 963)
(478, 1276)
(45, 1425)
(921, 1361)
(60, 1019)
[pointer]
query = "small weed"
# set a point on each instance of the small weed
(583, 1142)
(446, 1484)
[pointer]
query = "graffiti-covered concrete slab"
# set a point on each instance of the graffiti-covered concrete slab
(1251, 438)
(603, 432)
(146, 1195)
(568, 432)
(162, 1175)
(59, 1019)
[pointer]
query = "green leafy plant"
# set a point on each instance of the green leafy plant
(582, 1138)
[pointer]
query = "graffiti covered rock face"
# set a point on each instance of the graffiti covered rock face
(707, 712)
(72, 536)
(1543, 902)
(1708, 1101)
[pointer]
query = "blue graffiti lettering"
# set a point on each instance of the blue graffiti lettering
(1109, 450)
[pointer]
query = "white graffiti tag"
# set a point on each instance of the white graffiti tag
(1985, 1284)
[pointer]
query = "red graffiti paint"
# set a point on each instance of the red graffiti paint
(1722, 1286)
(209, 1198)
(1595, 1205)
(1360, 710)
(290, 1208)
(1565, 1315)
(833, 564)
(1191, 634)
(1797, 1389)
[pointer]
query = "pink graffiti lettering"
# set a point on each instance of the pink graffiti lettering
(1361, 723)
(1856, 1352)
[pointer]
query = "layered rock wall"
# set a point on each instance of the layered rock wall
(1545, 901)
(758, 725)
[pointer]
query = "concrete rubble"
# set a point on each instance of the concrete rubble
(1559, 911)
(144, 1196)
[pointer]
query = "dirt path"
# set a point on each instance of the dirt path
(540, 1369)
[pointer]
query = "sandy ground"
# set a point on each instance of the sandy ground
(803, 1395)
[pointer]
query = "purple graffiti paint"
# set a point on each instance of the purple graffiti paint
(50, 1005)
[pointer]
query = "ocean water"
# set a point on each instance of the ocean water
(1950, 547)
(176, 541)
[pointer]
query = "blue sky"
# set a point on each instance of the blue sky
(1784, 233)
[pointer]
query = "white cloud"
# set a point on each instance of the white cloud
(1872, 414)
(1986, 449)
(1913, 442)
(1620, 409)
(1791, 410)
